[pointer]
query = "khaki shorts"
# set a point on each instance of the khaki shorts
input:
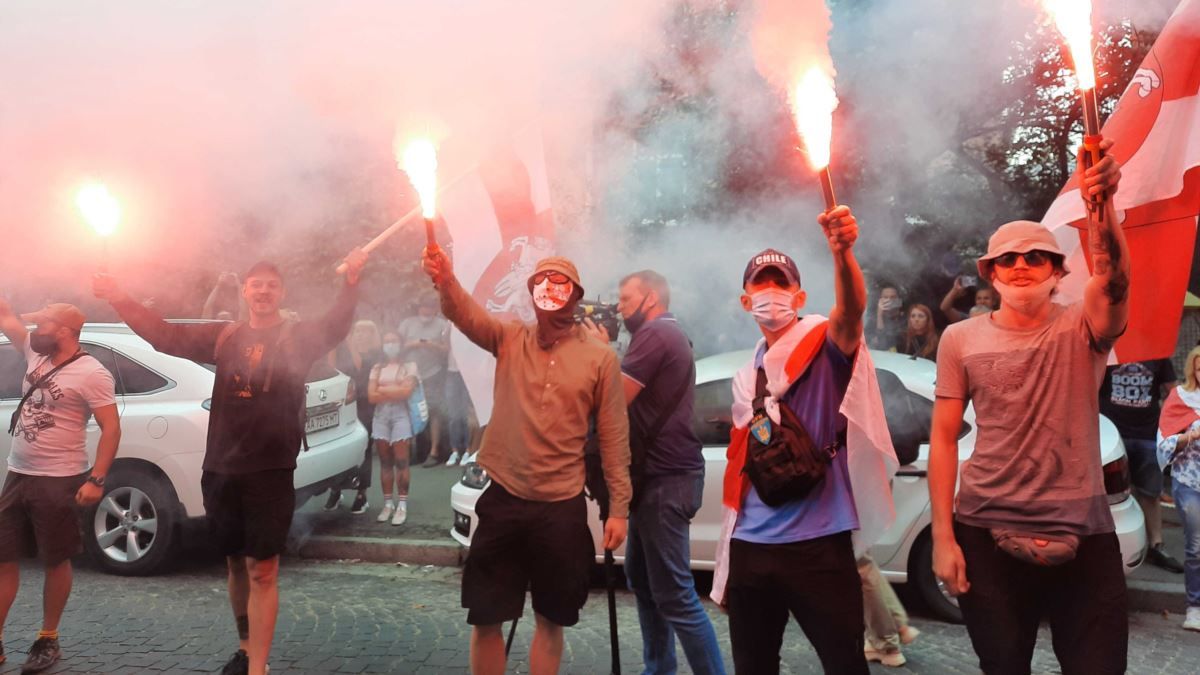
(39, 518)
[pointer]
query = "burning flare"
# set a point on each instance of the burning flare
(420, 163)
(812, 105)
(1074, 21)
(99, 208)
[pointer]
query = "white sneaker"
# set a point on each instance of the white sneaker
(401, 515)
(466, 458)
(386, 513)
(890, 659)
(1192, 622)
(453, 459)
(908, 634)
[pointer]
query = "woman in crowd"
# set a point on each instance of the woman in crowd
(355, 357)
(391, 383)
(1179, 449)
(920, 336)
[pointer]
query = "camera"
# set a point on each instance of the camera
(601, 314)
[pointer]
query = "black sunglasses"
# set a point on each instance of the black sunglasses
(1032, 259)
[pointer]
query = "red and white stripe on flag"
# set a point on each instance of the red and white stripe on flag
(1156, 129)
(501, 222)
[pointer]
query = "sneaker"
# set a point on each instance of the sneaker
(431, 462)
(908, 635)
(360, 504)
(1159, 557)
(890, 659)
(43, 654)
(453, 458)
(334, 501)
(467, 458)
(238, 664)
(1192, 622)
(401, 515)
(386, 513)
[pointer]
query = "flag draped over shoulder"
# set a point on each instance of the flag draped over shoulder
(1156, 130)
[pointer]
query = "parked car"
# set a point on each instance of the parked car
(154, 484)
(904, 553)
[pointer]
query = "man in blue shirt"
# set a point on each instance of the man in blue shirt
(659, 378)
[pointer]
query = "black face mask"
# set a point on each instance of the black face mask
(46, 345)
(638, 318)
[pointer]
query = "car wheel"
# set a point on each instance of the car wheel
(932, 591)
(132, 530)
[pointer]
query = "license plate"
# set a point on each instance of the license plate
(323, 421)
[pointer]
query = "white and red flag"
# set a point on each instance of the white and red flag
(501, 223)
(1156, 129)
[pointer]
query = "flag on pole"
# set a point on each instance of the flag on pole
(1156, 129)
(501, 223)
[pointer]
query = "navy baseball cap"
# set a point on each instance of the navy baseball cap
(771, 258)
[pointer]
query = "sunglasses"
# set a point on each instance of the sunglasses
(1032, 259)
(554, 277)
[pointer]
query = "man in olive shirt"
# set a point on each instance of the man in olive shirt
(551, 379)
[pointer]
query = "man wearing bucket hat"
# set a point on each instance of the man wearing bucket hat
(1030, 533)
(48, 468)
(552, 377)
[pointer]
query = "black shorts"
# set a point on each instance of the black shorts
(39, 518)
(543, 546)
(249, 514)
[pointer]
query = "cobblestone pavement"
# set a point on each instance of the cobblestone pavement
(372, 618)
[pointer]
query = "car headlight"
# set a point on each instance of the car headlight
(474, 476)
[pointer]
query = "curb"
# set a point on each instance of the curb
(1156, 596)
(384, 550)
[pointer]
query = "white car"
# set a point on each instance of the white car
(905, 551)
(154, 484)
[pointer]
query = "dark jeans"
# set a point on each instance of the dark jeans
(817, 582)
(1083, 599)
(458, 401)
(658, 567)
(435, 398)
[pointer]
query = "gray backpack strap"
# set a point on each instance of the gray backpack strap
(223, 337)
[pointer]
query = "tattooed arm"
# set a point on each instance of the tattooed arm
(1106, 298)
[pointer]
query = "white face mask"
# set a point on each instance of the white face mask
(1026, 299)
(391, 349)
(772, 308)
(550, 297)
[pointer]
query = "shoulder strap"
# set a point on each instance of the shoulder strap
(223, 337)
(760, 392)
(12, 423)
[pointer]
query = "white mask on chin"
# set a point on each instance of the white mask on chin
(1026, 299)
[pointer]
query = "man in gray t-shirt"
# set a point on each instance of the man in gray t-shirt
(425, 339)
(1031, 534)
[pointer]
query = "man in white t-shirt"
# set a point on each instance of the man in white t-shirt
(48, 475)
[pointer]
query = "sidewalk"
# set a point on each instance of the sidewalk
(425, 538)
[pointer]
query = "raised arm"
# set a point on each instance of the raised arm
(1106, 298)
(846, 317)
(947, 306)
(189, 341)
(459, 307)
(12, 326)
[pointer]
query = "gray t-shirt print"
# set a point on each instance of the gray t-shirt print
(1036, 463)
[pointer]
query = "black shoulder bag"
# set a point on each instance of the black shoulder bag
(12, 422)
(782, 461)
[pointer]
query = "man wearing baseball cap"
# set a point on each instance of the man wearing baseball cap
(551, 379)
(1030, 533)
(48, 468)
(794, 551)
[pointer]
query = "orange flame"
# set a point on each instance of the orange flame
(99, 208)
(1074, 21)
(813, 104)
(419, 161)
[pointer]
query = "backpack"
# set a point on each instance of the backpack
(782, 461)
(285, 335)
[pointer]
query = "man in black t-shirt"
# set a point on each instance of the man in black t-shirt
(1131, 396)
(254, 430)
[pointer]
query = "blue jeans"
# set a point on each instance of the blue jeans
(1187, 501)
(657, 565)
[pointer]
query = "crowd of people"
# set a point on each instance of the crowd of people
(1023, 532)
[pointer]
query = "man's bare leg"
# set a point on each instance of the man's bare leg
(1152, 510)
(264, 608)
(239, 597)
(55, 591)
(545, 654)
(487, 650)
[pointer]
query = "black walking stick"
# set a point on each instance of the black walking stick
(609, 564)
(597, 489)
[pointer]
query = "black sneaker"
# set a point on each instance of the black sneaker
(239, 664)
(334, 501)
(1159, 557)
(360, 504)
(43, 654)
